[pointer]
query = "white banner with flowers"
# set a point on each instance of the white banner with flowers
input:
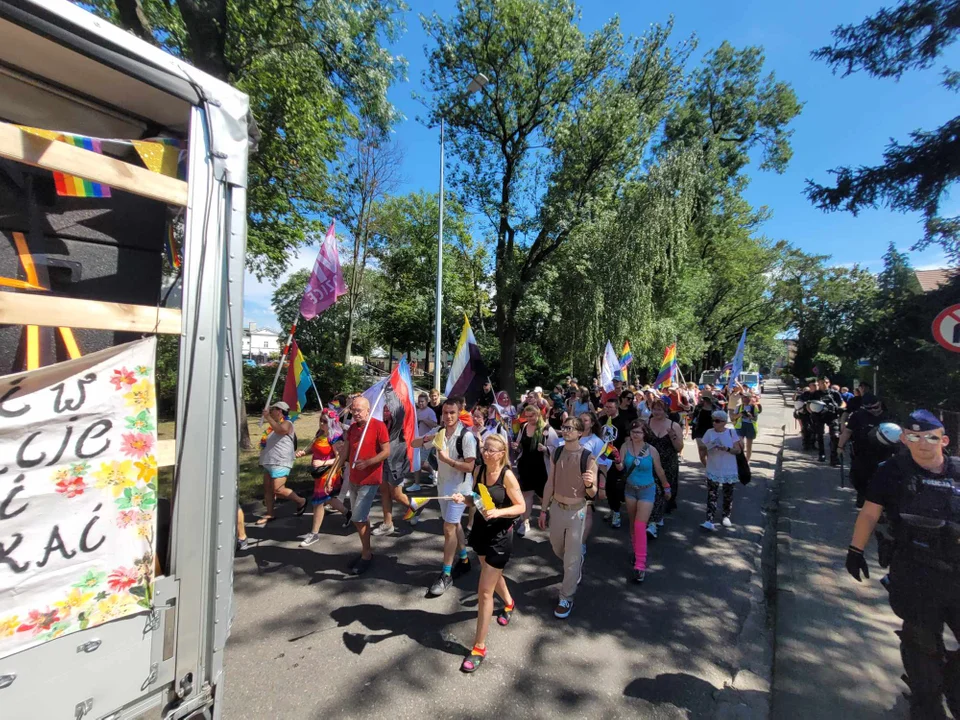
(78, 494)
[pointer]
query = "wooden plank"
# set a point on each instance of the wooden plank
(16, 144)
(166, 453)
(51, 311)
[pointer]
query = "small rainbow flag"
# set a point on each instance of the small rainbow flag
(668, 368)
(72, 186)
(626, 357)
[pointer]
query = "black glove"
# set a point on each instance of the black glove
(856, 563)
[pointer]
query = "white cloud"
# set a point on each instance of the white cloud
(257, 294)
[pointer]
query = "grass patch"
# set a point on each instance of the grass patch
(249, 475)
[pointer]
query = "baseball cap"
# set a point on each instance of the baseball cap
(538, 389)
(870, 399)
(921, 420)
(281, 405)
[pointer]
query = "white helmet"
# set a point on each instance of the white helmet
(888, 434)
(815, 406)
(798, 404)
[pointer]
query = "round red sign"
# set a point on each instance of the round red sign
(946, 328)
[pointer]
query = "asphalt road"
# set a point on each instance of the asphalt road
(310, 641)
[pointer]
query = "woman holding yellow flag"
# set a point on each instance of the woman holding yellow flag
(499, 502)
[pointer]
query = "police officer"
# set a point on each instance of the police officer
(920, 491)
(803, 414)
(827, 419)
(868, 449)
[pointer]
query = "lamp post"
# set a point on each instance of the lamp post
(476, 84)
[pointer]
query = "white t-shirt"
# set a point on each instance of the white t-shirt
(449, 479)
(426, 413)
(721, 465)
(595, 445)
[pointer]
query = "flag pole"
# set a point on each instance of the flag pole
(283, 357)
(366, 425)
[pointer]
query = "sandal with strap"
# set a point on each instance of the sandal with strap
(506, 612)
(264, 520)
(473, 661)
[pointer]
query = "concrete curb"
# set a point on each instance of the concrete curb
(748, 694)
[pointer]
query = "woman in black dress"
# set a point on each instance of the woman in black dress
(535, 443)
(492, 540)
(667, 437)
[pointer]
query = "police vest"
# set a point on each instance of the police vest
(929, 514)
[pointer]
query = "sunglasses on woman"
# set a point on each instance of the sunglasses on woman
(569, 427)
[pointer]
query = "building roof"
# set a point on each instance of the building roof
(930, 280)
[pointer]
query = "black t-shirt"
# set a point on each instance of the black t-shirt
(888, 485)
(703, 421)
(856, 402)
(487, 398)
(437, 409)
(621, 425)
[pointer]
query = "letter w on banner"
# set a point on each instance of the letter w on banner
(78, 499)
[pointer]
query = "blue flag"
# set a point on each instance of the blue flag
(737, 361)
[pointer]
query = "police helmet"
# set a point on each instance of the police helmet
(815, 406)
(798, 404)
(888, 434)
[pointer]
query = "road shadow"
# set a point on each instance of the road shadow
(424, 628)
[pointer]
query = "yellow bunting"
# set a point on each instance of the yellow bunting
(158, 157)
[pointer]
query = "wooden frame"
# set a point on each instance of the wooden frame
(53, 155)
(52, 311)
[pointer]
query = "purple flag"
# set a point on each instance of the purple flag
(326, 281)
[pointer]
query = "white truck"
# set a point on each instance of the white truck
(86, 272)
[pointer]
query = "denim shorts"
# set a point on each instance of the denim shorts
(641, 493)
(361, 500)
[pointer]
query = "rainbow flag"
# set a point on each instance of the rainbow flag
(626, 357)
(297, 383)
(72, 186)
(668, 368)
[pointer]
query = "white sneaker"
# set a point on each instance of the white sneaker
(707, 525)
(310, 539)
(726, 523)
(414, 487)
(652, 530)
(522, 528)
(384, 529)
(563, 609)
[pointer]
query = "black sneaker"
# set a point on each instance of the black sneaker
(242, 545)
(346, 518)
(461, 568)
(639, 576)
(441, 585)
(361, 566)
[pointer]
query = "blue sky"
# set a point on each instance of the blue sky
(845, 121)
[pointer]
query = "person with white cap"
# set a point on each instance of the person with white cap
(718, 449)
(277, 454)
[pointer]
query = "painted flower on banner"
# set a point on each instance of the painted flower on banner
(91, 580)
(111, 608)
(122, 377)
(71, 487)
(75, 600)
(141, 422)
(80, 468)
(39, 620)
(126, 518)
(122, 579)
(115, 476)
(141, 396)
(61, 474)
(146, 469)
(137, 444)
(137, 497)
(142, 371)
(9, 625)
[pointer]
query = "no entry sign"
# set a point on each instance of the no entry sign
(946, 328)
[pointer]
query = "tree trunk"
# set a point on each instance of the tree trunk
(348, 342)
(508, 355)
(245, 443)
(390, 365)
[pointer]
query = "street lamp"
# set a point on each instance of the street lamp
(476, 84)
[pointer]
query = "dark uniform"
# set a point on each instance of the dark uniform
(867, 453)
(924, 514)
(806, 421)
(827, 421)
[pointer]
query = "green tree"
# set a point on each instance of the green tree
(563, 121)
(312, 68)
(406, 252)
(915, 176)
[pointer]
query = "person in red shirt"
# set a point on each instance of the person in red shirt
(367, 446)
(612, 394)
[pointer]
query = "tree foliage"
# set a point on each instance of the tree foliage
(312, 68)
(915, 176)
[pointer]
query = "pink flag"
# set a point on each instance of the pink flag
(326, 281)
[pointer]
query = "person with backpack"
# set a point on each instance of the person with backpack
(456, 460)
(572, 481)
